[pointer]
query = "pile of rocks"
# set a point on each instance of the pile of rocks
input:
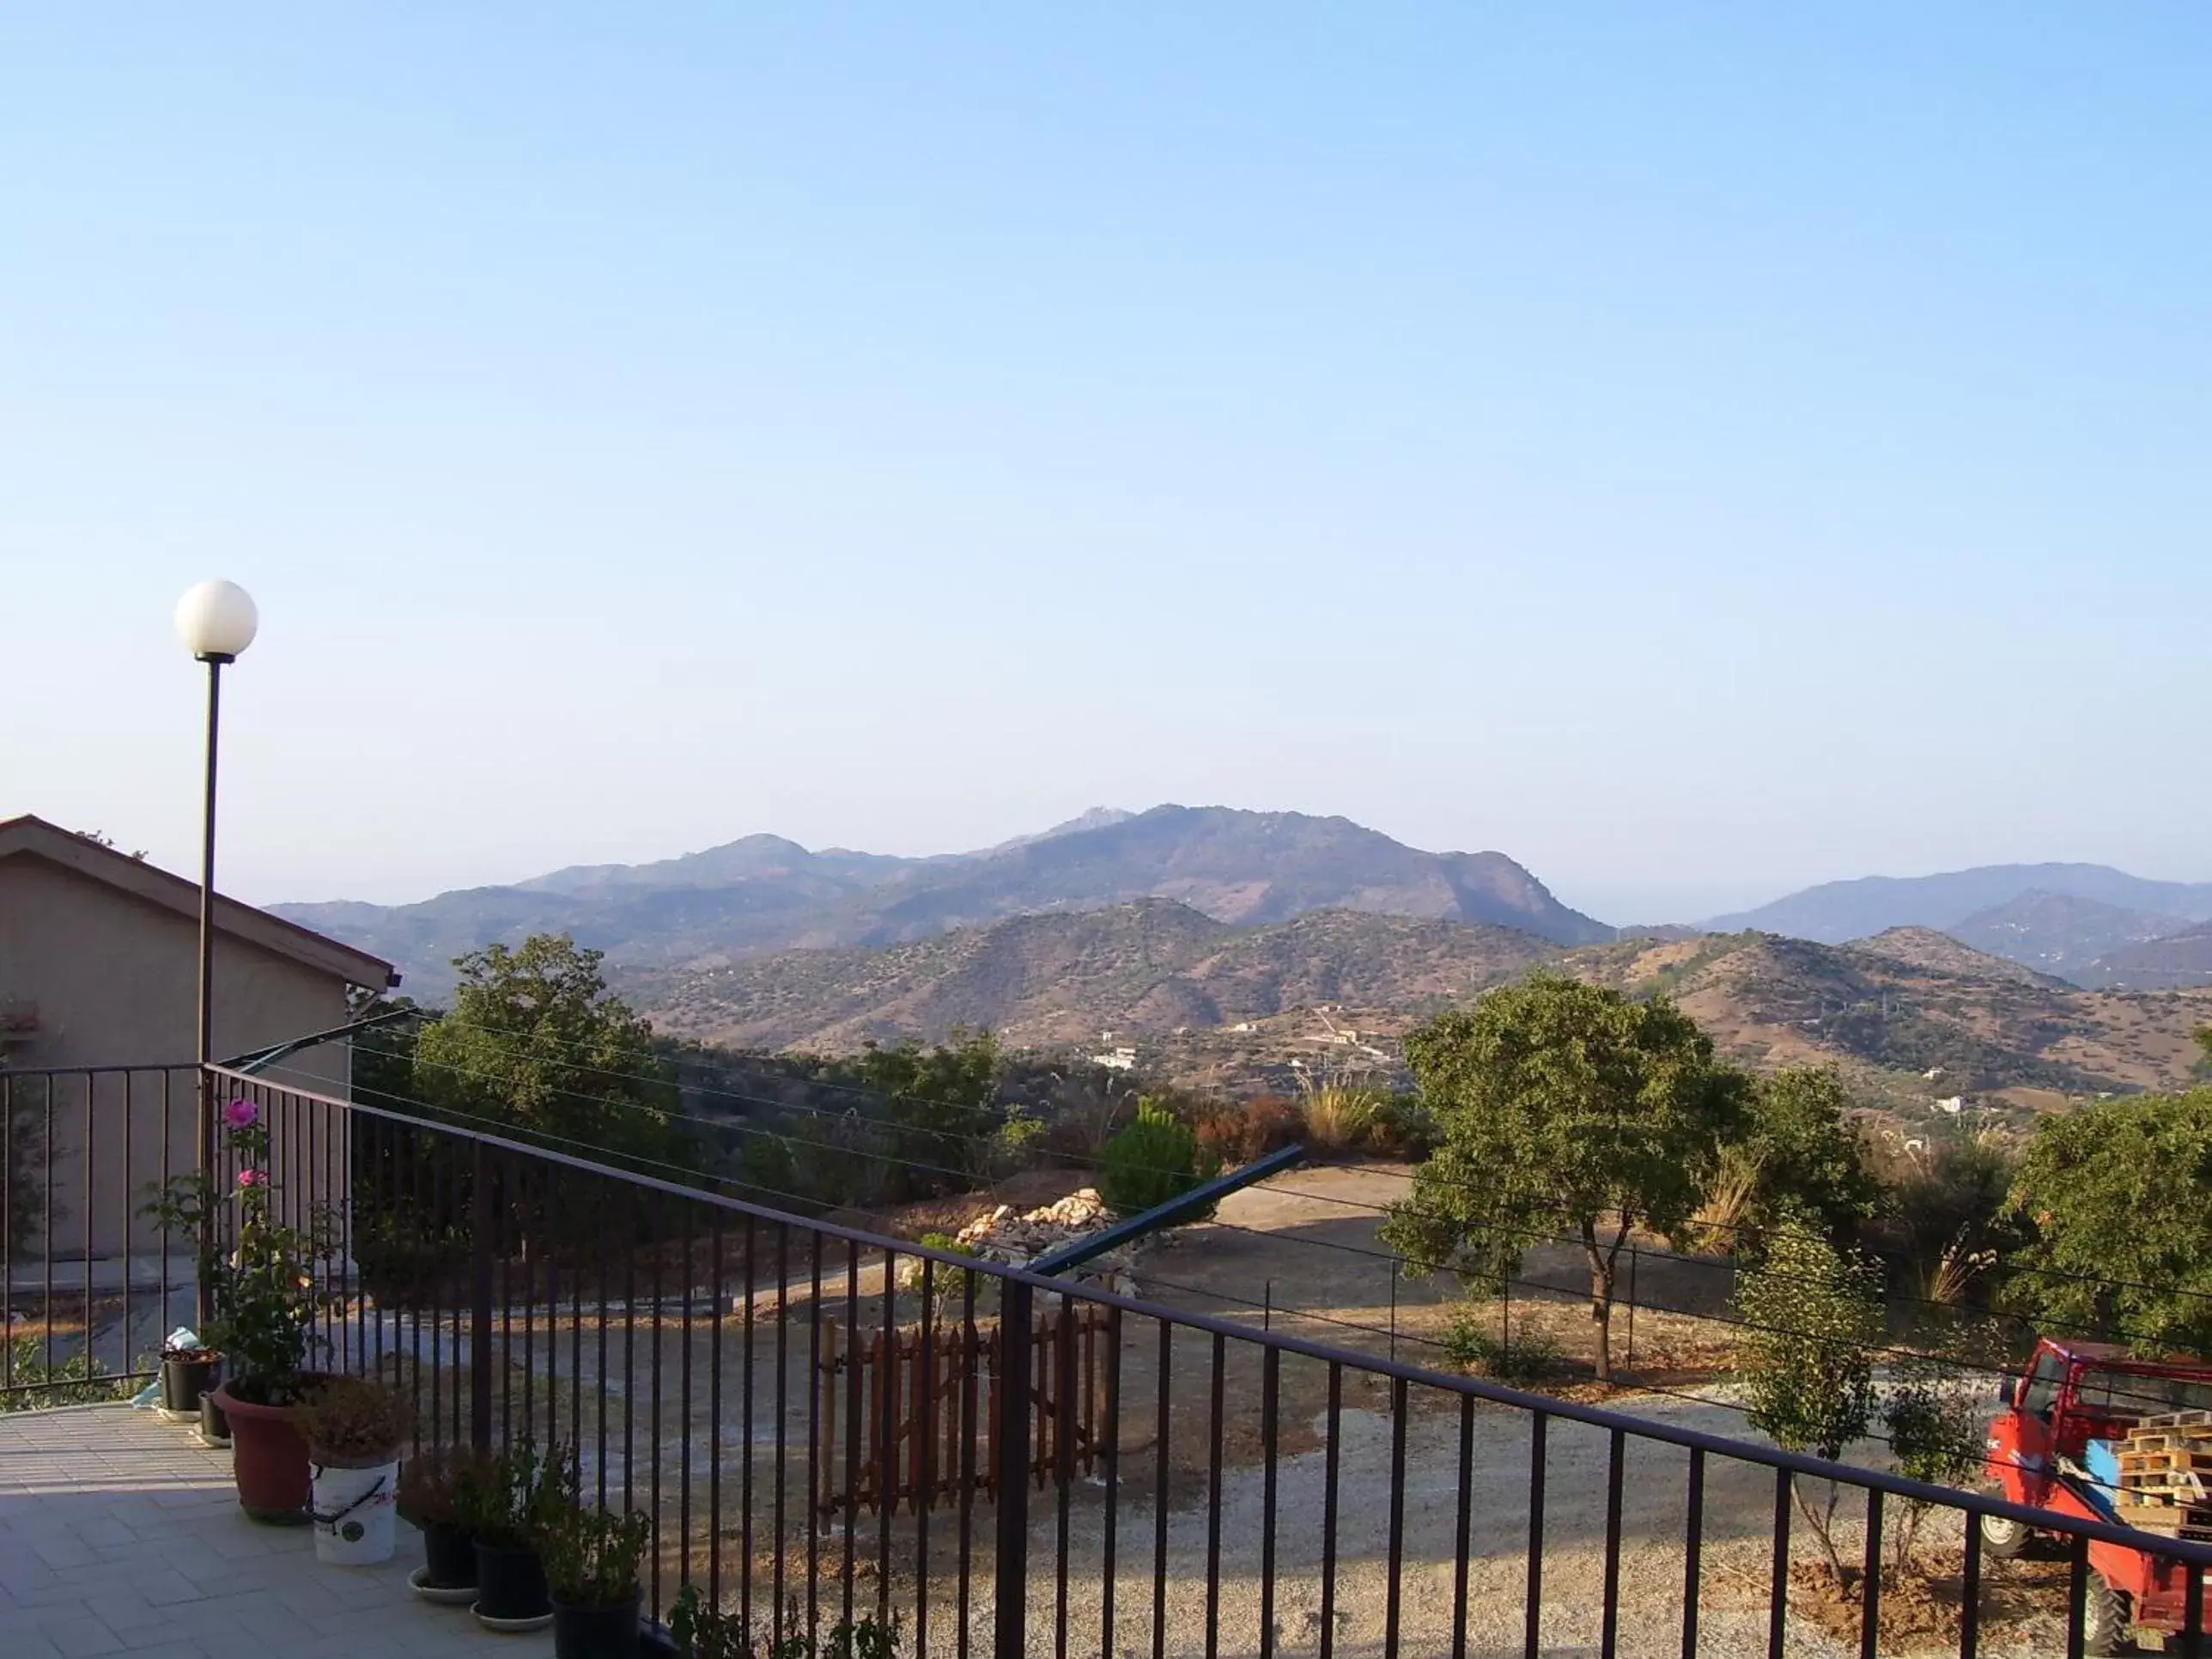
(1018, 1237)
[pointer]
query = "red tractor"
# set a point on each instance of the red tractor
(2051, 1445)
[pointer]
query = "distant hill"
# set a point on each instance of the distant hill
(2060, 933)
(1945, 953)
(2169, 963)
(1147, 968)
(1839, 910)
(764, 894)
(1226, 1006)
(1894, 1006)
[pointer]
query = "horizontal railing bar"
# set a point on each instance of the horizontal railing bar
(1649, 1429)
(26, 1073)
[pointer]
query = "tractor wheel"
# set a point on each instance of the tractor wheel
(2004, 1539)
(2107, 1626)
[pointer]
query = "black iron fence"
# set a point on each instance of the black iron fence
(91, 1286)
(1107, 1476)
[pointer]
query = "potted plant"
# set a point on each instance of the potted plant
(188, 1375)
(354, 1430)
(265, 1304)
(520, 1498)
(432, 1488)
(592, 1560)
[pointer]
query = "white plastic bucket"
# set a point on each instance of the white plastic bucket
(354, 1512)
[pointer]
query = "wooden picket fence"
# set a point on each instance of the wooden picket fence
(910, 1408)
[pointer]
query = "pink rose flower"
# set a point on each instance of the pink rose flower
(240, 1112)
(250, 1178)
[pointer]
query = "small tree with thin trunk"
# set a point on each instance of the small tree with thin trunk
(1811, 1315)
(1936, 1435)
(1562, 1108)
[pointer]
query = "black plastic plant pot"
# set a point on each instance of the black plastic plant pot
(596, 1632)
(214, 1427)
(449, 1556)
(511, 1583)
(187, 1379)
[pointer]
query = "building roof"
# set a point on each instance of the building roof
(28, 836)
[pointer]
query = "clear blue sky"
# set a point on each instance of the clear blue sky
(1695, 450)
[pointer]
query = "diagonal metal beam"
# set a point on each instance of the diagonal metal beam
(1076, 1252)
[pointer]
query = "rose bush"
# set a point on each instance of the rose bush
(263, 1287)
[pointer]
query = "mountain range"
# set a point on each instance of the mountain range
(1837, 910)
(1145, 969)
(761, 895)
(1913, 1013)
(2087, 923)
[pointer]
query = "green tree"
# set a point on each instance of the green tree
(1934, 1421)
(2120, 1194)
(1811, 1316)
(937, 1105)
(1156, 1158)
(1796, 1158)
(2204, 1042)
(1561, 1106)
(534, 1039)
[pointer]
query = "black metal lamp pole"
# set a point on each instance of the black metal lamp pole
(204, 1305)
(216, 620)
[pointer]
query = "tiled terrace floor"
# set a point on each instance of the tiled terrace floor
(120, 1534)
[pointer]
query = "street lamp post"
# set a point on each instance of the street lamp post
(216, 621)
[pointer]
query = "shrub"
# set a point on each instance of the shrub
(1811, 1316)
(1528, 1357)
(948, 1286)
(1152, 1161)
(592, 1556)
(1935, 1432)
(1237, 1131)
(430, 1484)
(1405, 1129)
(701, 1630)
(76, 1381)
(518, 1495)
(350, 1418)
(1340, 1117)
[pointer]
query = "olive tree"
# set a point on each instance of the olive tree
(1560, 1107)
(1796, 1157)
(2122, 1235)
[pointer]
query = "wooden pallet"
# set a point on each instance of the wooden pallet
(2198, 1420)
(2136, 1461)
(2167, 1521)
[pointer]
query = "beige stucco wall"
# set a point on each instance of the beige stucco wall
(114, 980)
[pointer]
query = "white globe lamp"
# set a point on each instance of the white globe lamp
(216, 621)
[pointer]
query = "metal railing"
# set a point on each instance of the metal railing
(1244, 1491)
(88, 1285)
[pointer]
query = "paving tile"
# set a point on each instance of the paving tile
(117, 1536)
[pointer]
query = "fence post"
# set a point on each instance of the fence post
(483, 1217)
(1634, 1255)
(204, 1162)
(1013, 1421)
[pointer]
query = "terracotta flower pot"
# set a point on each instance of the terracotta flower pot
(269, 1459)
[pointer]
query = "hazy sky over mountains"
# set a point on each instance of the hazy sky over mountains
(1697, 450)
